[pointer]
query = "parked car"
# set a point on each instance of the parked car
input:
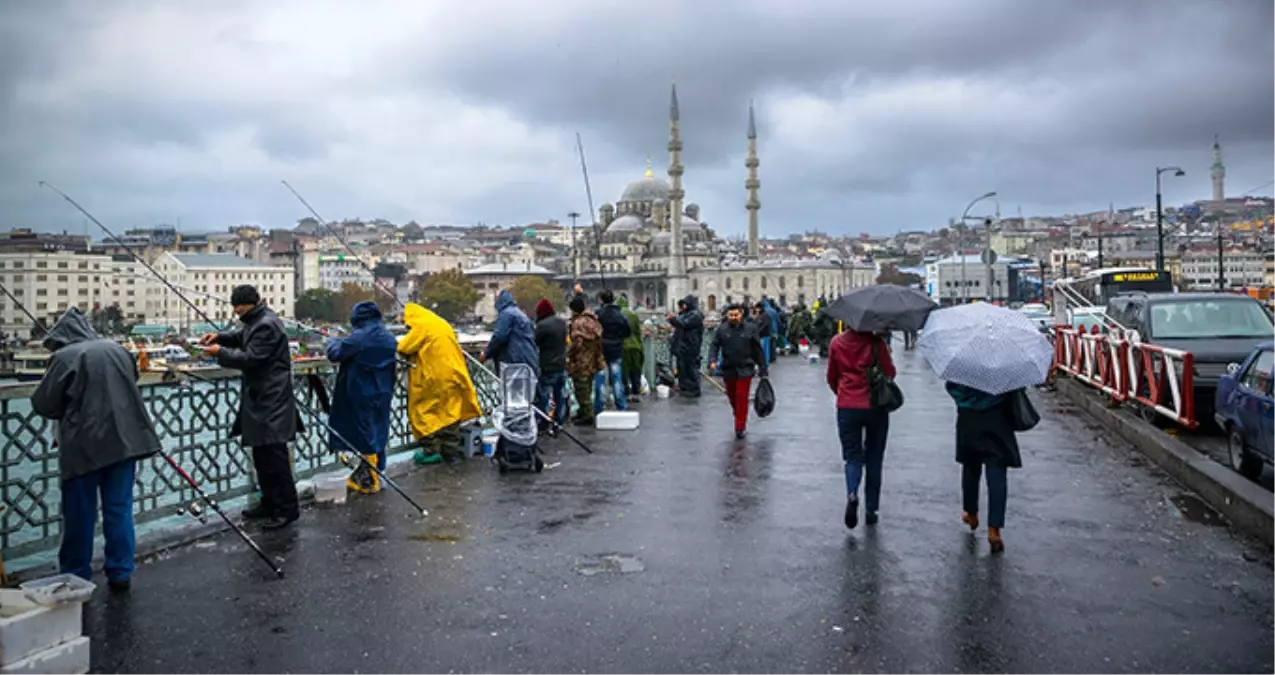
(1217, 328)
(1245, 410)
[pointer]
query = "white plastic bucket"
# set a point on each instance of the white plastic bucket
(662, 391)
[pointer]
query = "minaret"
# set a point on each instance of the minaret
(677, 265)
(1218, 172)
(753, 205)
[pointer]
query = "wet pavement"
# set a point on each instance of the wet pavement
(678, 549)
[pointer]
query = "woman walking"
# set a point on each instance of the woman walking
(863, 428)
(985, 446)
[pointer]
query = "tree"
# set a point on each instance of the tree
(317, 304)
(530, 290)
(890, 274)
(449, 294)
(412, 231)
(352, 294)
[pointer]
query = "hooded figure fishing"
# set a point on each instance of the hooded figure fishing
(102, 429)
(268, 418)
(688, 337)
(514, 338)
(440, 393)
(364, 392)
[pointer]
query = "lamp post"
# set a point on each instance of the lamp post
(965, 289)
(1221, 259)
(1159, 215)
(575, 270)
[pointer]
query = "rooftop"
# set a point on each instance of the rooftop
(509, 268)
(216, 260)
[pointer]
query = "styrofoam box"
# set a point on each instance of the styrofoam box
(68, 657)
(27, 628)
(618, 420)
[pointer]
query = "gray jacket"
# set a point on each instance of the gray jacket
(90, 388)
(267, 410)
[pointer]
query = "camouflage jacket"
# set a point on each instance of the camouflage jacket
(584, 345)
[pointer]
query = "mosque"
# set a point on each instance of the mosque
(656, 251)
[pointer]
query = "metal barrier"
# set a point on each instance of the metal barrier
(1158, 380)
(193, 422)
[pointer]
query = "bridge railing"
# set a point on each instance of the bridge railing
(193, 421)
(1158, 380)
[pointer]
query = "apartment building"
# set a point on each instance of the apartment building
(1242, 267)
(47, 283)
(207, 279)
(335, 271)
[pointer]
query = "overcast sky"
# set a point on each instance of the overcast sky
(872, 116)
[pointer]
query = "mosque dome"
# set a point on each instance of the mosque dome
(648, 188)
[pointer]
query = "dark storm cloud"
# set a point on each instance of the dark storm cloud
(872, 116)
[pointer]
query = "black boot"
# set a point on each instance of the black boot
(259, 512)
(852, 511)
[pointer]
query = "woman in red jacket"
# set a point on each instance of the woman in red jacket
(863, 429)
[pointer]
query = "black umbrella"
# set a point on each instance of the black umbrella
(883, 307)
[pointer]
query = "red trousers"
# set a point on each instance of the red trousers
(737, 390)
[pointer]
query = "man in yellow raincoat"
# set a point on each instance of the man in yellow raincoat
(440, 394)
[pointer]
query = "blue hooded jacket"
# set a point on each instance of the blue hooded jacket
(773, 315)
(514, 339)
(364, 389)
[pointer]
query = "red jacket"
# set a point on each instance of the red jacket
(849, 356)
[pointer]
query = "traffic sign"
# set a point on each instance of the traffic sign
(988, 257)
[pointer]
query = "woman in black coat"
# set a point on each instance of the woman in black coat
(985, 444)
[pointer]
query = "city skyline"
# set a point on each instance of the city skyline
(439, 121)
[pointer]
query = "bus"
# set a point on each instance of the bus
(1099, 286)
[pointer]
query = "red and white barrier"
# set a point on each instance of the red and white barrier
(1157, 379)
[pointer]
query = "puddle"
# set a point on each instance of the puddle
(1195, 510)
(620, 563)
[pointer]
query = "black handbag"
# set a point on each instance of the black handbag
(1022, 414)
(883, 393)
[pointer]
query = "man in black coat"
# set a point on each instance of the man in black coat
(688, 333)
(615, 328)
(268, 418)
(551, 341)
(738, 354)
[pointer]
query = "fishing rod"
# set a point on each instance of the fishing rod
(23, 308)
(346, 244)
(208, 319)
(543, 415)
(588, 192)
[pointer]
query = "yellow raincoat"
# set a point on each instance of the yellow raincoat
(439, 391)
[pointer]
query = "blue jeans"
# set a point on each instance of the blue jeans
(553, 389)
(863, 435)
(615, 373)
(765, 347)
(997, 491)
(79, 521)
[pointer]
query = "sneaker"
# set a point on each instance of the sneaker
(634, 399)
(280, 522)
(871, 518)
(258, 512)
(852, 511)
(119, 585)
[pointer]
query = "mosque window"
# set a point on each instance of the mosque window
(763, 283)
(694, 284)
(727, 283)
(781, 283)
(745, 283)
(801, 282)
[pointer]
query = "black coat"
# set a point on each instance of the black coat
(987, 436)
(688, 330)
(267, 409)
(615, 328)
(737, 350)
(551, 340)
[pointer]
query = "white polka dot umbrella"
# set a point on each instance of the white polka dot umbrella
(986, 347)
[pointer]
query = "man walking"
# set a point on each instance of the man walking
(364, 392)
(101, 430)
(634, 354)
(688, 335)
(737, 353)
(267, 419)
(584, 356)
(615, 330)
(551, 340)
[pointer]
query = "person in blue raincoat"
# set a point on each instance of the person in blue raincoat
(514, 338)
(364, 392)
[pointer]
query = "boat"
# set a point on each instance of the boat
(30, 366)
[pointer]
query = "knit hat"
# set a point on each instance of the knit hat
(244, 295)
(577, 303)
(544, 308)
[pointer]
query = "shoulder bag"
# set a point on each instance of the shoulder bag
(883, 393)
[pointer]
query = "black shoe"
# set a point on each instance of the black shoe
(635, 399)
(280, 522)
(119, 585)
(852, 512)
(870, 518)
(740, 433)
(258, 512)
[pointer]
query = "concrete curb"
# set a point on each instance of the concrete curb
(183, 530)
(1246, 504)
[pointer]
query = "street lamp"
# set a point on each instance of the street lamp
(965, 214)
(1159, 215)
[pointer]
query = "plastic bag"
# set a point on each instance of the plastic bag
(764, 399)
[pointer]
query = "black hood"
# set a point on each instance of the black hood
(691, 302)
(73, 327)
